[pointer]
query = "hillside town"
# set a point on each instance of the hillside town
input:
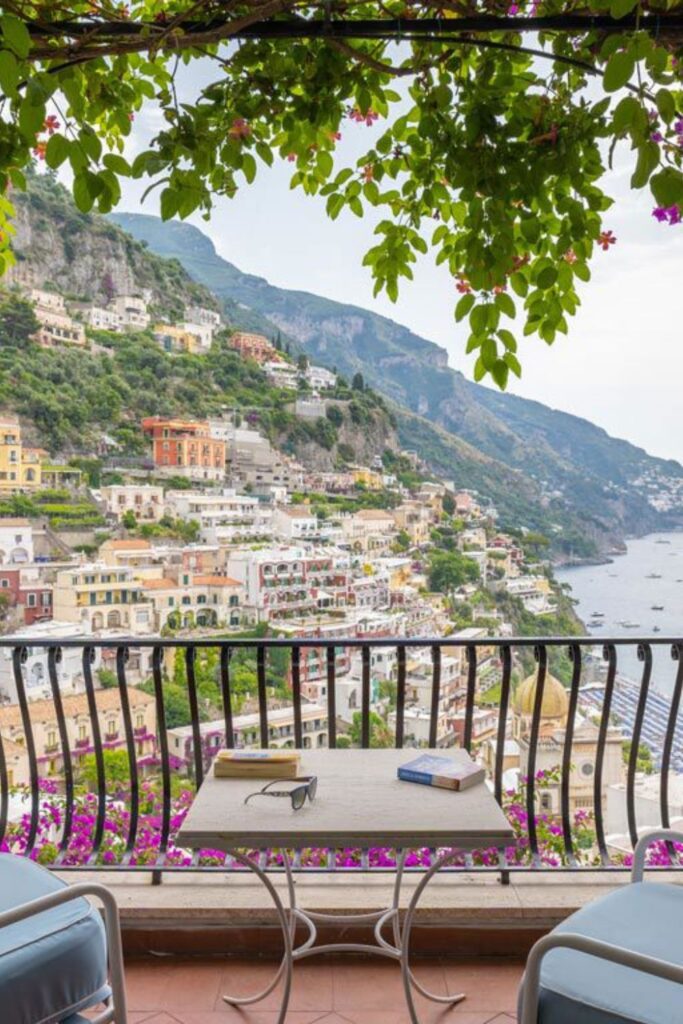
(215, 531)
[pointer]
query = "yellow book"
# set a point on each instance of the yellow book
(256, 764)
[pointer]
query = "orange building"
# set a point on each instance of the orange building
(185, 448)
(253, 346)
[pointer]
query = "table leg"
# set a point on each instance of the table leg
(409, 980)
(287, 923)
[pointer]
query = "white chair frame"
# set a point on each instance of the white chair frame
(115, 1010)
(593, 947)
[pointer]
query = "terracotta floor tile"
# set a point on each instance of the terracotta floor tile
(311, 985)
(490, 984)
(253, 1017)
(373, 985)
(145, 982)
(191, 985)
(438, 1015)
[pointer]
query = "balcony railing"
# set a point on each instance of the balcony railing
(597, 710)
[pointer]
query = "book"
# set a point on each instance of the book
(256, 764)
(431, 770)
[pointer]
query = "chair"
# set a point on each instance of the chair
(54, 949)
(618, 960)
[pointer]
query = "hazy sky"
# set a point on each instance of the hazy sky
(621, 365)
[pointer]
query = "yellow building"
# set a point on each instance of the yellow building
(101, 597)
(176, 338)
(20, 468)
(366, 477)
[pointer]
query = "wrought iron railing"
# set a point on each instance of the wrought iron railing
(596, 693)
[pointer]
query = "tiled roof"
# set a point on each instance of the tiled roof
(9, 521)
(74, 704)
(162, 584)
(216, 581)
(128, 545)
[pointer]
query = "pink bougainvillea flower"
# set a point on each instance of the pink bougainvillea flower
(657, 137)
(240, 129)
(335, 136)
(368, 118)
(50, 124)
(605, 239)
(291, 157)
(463, 285)
(39, 150)
(513, 9)
(570, 256)
(668, 214)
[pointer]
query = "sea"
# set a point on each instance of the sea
(649, 573)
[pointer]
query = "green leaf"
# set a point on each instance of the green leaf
(499, 372)
(117, 164)
(9, 73)
(627, 113)
(648, 159)
(667, 187)
(57, 151)
(464, 306)
(489, 353)
(547, 278)
(82, 198)
(169, 201)
(479, 371)
(514, 364)
(619, 70)
(505, 305)
(519, 284)
(479, 319)
(508, 339)
(16, 35)
(248, 167)
(582, 272)
(90, 144)
(31, 119)
(666, 105)
(620, 8)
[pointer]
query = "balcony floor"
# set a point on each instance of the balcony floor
(339, 990)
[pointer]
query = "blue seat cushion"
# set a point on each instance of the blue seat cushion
(646, 917)
(52, 964)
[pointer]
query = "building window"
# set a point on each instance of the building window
(51, 738)
(31, 600)
(111, 727)
(139, 721)
(82, 732)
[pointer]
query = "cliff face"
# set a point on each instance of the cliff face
(87, 257)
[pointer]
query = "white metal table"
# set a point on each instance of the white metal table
(360, 803)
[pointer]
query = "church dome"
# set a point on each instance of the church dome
(555, 702)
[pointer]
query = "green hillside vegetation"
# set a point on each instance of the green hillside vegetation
(72, 396)
(592, 471)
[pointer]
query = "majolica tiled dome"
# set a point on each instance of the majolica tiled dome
(555, 702)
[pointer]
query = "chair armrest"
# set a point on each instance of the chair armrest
(591, 947)
(642, 846)
(112, 930)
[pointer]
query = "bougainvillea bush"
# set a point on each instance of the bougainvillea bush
(484, 139)
(146, 848)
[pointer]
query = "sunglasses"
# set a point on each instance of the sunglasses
(308, 787)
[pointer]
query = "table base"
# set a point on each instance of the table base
(398, 949)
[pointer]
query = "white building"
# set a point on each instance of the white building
(146, 501)
(321, 379)
(132, 310)
(295, 524)
(202, 315)
(16, 542)
(282, 375)
(202, 332)
(69, 669)
(289, 581)
(102, 319)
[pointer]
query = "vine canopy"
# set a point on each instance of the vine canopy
(489, 128)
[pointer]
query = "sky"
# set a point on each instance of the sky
(621, 366)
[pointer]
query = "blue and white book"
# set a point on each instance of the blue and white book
(445, 772)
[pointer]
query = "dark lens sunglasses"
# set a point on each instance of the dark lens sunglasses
(307, 788)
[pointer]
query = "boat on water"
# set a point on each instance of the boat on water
(656, 629)
(597, 615)
(596, 624)
(657, 607)
(654, 576)
(662, 540)
(628, 624)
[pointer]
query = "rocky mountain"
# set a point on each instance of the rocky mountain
(575, 465)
